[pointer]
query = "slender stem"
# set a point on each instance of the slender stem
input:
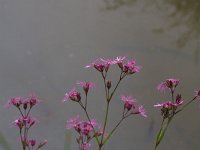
(187, 104)
(20, 111)
(104, 81)
(105, 122)
(86, 101)
(88, 117)
(173, 109)
(120, 78)
(113, 130)
(21, 137)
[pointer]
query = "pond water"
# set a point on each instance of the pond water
(45, 44)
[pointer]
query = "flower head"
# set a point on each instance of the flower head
(101, 64)
(32, 142)
(85, 146)
(86, 86)
(73, 122)
(16, 101)
(142, 111)
(128, 67)
(168, 84)
(72, 95)
(169, 105)
(128, 102)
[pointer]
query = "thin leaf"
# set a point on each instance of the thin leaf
(3, 142)
(67, 143)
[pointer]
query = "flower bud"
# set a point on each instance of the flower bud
(108, 84)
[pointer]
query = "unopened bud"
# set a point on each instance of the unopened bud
(108, 84)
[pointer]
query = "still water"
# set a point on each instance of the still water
(44, 45)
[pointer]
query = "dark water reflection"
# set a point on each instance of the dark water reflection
(45, 44)
(181, 15)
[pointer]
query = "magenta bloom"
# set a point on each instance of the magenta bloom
(168, 105)
(22, 121)
(85, 146)
(16, 101)
(32, 142)
(142, 111)
(168, 84)
(25, 102)
(72, 95)
(128, 67)
(86, 85)
(33, 100)
(73, 122)
(119, 59)
(83, 127)
(128, 102)
(101, 64)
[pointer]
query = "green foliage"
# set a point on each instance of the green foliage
(3, 142)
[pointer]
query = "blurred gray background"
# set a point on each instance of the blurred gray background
(45, 44)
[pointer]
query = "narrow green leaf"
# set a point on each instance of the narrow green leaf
(67, 143)
(3, 142)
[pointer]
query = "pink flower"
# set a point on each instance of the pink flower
(128, 102)
(33, 100)
(139, 110)
(29, 120)
(101, 64)
(85, 146)
(72, 95)
(73, 122)
(86, 85)
(16, 101)
(169, 105)
(18, 123)
(142, 111)
(168, 84)
(32, 142)
(179, 100)
(119, 59)
(129, 67)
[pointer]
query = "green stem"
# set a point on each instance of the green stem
(120, 78)
(187, 104)
(113, 130)
(162, 131)
(88, 117)
(105, 123)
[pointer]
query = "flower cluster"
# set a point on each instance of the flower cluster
(126, 66)
(131, 108)
(88, 130)
(85, 130)
(170, 108)
(26, 103)
(25, 121)
(170, 84)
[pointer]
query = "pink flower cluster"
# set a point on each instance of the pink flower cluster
(130, 106)
(85, 130)
(25, 121)
(168, 84)
(25, 102)
(126, 66)
(74, 95)
(169, 105)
